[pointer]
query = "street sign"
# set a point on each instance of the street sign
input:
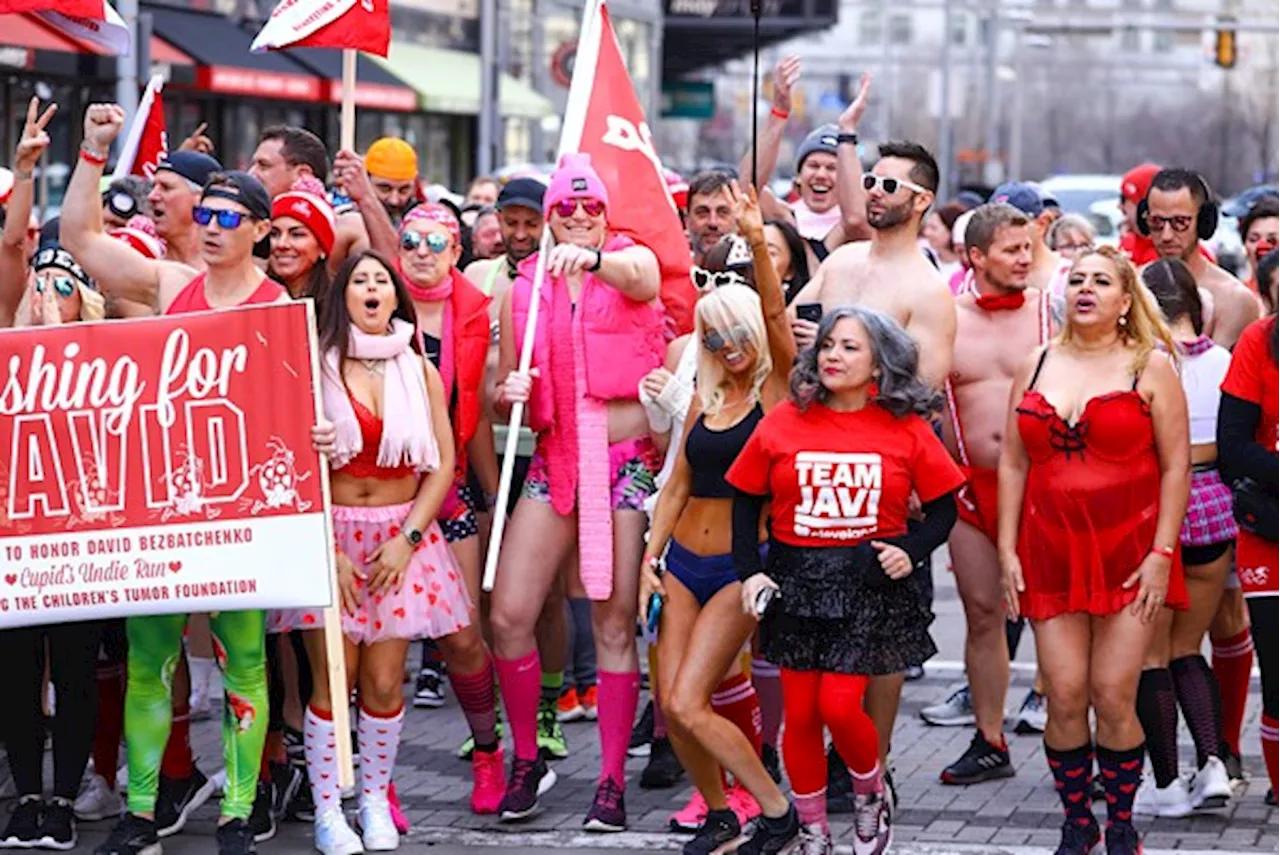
(688, 99)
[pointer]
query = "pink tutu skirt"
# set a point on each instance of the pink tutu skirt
(432, 600)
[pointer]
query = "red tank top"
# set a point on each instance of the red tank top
(192, 299)
(365, 464)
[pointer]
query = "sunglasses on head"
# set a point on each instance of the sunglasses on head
(229, 220)
(888, 185)
(567, 207)
(715, 341)
(64, 286)
(436, 241)
(706, 280)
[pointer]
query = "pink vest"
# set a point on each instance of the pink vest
(624, 338)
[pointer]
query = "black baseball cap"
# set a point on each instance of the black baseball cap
(239, 187)
(522, 193)
(191, 165)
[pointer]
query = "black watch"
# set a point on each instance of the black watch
(842, 139)
(413, 536)
(599, 258)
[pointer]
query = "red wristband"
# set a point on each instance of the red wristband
(1166, 551)
(89, 157)
(781, 114)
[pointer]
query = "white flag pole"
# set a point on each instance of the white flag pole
(584, 75)
(347, 130)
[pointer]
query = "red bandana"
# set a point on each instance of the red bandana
(1001, 302)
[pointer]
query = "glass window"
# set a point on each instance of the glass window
(900, 29)
(959, 30)
(870, 27)
(1163, 39)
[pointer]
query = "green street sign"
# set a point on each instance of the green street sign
(688, 99)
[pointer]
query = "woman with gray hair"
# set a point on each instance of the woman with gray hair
(1071, 235)
(837, 464)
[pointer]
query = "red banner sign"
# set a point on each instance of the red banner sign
(161, 466)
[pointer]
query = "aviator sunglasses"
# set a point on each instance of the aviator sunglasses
(567, 207)
(888, 185)
(229, 220)
(436, 241)
(714, 341)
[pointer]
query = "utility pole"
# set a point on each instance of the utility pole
(946, 154)
(127, 68)
(1015, 110)
(490, 112)
(992, 171)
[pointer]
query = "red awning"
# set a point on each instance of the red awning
(233, 80)
(377, 96)
(29, 33)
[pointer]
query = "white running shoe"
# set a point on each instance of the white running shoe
(1210, 787)
(815, 840)
(872, 832)
(1171, 801)
(334, 836)
(97, 801)
(377, 828)
(956, 710)
(1033, 715)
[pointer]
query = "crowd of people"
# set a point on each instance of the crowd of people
(870, 374)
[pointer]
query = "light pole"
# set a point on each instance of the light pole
(946, 156)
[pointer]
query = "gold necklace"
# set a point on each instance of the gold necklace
(376, 367)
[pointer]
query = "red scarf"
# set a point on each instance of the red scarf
(1001, 302)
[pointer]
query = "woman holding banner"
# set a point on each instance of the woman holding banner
(599, 331)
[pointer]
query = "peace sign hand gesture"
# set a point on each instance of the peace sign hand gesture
(34, 137)
(746, 209)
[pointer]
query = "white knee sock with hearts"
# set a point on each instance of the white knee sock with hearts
(321, 750)
(379, 739)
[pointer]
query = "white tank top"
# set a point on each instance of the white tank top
(1203, 366)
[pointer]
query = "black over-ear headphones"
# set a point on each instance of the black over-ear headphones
(1206, 217)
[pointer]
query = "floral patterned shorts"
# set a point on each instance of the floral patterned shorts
(634, 465)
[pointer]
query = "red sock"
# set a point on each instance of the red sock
(106, 737)
(736, 700)
(1268, 730)
(1232, 661)
(178, 762)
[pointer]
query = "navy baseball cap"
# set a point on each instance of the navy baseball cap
(1020, 195)
(522, 193)
(239, 187)
(191, 165)
(1240, 205)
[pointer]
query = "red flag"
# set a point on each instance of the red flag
(147, 142)
(604, 118)
(356, 24)
(93, 21)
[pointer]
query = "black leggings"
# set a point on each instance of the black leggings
(276, 687)
(73, 658)
(1263, 616)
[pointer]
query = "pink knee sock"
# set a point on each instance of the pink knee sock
(521, 684)
(619, 694)
(812, 808)
(321, 752)
(379, 737)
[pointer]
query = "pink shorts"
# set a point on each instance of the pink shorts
(431, 602)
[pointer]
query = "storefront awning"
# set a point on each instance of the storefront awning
(376, 87)
(448, 81)
(28, 43)
(224, 63)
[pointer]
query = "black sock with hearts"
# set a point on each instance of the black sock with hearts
(1072, 773)
(1121, 775)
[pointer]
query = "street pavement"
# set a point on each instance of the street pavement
(1017, 816)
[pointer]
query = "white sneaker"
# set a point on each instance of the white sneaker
(97, 801)
(1033, 715)
(1172, 801)
(815, 840)
(377, 828)
(872, 831)
(956, 710)
(334, 836)
(1210, 787)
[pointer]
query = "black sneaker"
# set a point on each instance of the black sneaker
(719, 828)
(58, 825)
(769, 756)
(609, 809)
(286, 780)
(293, 745)
(981, 762)
(429, 691)
(262, 821)
(235, 837)
(178, 798)
(301, 808)
(642, 733)
(529, 779)
(23, 830)
(773, 835)
(839, 784)
(133, 835)
(1270, 798)
(663, 770)
(1078, 838)
(890, 792)
(1123, 839)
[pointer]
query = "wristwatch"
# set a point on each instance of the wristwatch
(599, 258)
(842, 139)
(413, 536)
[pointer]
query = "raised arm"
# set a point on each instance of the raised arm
(773, 303)
(849, 193)
(353, 178)
(769, 141)
(117, 269)
(13, 249)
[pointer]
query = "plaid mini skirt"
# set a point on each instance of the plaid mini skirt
(1209, 518)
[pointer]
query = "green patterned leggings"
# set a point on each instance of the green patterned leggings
(155, 643)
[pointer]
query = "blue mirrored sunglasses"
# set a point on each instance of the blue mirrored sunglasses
(229, 220)
(436, 241)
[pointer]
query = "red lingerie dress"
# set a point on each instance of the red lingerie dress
(1091, 504)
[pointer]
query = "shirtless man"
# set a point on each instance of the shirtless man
(1049, 270)
(1172, 218)
(997, 326)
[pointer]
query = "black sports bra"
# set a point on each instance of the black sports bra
(711, 452)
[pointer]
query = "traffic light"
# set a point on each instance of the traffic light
(1224, 51)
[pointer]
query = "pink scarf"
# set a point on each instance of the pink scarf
(440, 294)
(578, 443)
(408, 436)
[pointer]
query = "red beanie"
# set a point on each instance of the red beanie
(306, 203)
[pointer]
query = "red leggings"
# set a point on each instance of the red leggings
(812, 700)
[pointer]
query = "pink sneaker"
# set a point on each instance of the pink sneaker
(487, 783)
(743, 804)
(397, 813)
(691, 816)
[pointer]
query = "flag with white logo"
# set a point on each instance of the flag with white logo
(93, 21)
(148, 141)
(348, 24)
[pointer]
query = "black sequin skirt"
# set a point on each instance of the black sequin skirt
(839, 612)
